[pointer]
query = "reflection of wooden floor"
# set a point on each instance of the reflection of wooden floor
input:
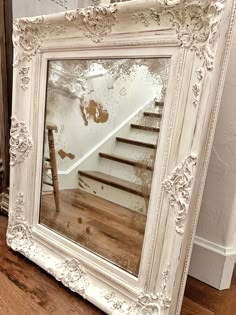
(110, 230)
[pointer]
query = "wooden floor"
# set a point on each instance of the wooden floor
(26, 289)
(107, 229)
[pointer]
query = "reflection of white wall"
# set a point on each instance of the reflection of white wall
(129, 93)
(27, 8)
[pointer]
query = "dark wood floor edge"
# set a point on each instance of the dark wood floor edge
(4, 203)
(124, 160)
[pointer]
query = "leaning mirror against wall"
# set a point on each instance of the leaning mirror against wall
(103, 120)
(114, 109)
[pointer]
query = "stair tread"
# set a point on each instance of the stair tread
(125, 160)
(146, 128)
(152, 114)
(116, 182)
(137, 142)
(159, 103)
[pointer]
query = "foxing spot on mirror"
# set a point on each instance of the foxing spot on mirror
(102, 125)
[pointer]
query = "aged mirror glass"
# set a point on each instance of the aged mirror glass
(103, 120)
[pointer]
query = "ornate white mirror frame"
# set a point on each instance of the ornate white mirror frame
(196, 36)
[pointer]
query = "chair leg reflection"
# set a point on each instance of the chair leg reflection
(53, 165)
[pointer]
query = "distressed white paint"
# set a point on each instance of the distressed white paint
(217, 219)
(187, 132)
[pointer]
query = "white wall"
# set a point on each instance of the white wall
(27, 8)
(215, 249)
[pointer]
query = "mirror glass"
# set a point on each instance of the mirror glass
(102, 124)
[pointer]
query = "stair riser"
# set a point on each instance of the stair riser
(143, 135)
(148, 121)
(130, 173)
(134, 152)
(107, 192)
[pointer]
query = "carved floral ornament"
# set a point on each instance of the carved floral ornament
(146, 303)
(179, 188)
(72, 275)
(95, 21)
(19, 232)
(28, 34)
(20, 142)
(196, 24)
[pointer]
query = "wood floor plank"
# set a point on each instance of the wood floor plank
(233, 282)
(23, 303)
(203, 294)
(42, 289)
(227, 302)
(192, 308)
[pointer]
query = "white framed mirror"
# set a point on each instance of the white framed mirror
(114, 109)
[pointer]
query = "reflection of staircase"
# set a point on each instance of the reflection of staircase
(124, 176)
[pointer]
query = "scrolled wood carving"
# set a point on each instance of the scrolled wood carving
(19, 232)
(95, 21)
(197, 87)
(28, 35)
(72, 275)
(25, 79)
(146, 303)
(196, 24)
(179, 188)
(20, 142)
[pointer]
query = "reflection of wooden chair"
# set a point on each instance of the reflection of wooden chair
(51, 164)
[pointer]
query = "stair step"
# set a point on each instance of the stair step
(146, 128)
(125, 160)
(138, 143)
(116, 182)
(152, 114)
(159, 103)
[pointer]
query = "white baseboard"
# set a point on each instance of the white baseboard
(212, 264)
